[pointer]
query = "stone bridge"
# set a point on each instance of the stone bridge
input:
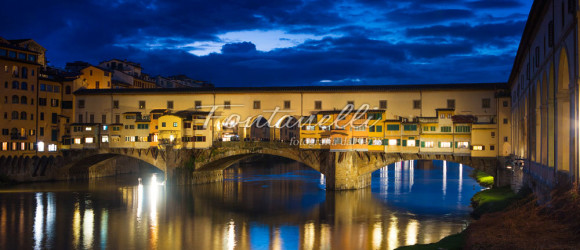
(343, 170)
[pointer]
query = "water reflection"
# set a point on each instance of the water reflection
(267, 204)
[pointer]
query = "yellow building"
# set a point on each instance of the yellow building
(376, 130)
(48, 114)
(93, 77)
(20, 62)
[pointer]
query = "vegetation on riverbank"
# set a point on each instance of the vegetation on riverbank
(527, 225)
(482, 178)
(451, 242)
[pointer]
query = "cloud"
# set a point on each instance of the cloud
(243, 47)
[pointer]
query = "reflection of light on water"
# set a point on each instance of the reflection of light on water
(88, 226)
(322, 180)
(460, 183)
(444, 178)
(153, 196)
(325, 236)
(384, 180)
(76, 226)
(139, 200)
(377, 234)
(393, 233)
(398, 177)
(411, 174)
(104, 228)
(50, 216)
(309, 236)
(231, 235)
(277, 241)
(411, 233)
(38, 220)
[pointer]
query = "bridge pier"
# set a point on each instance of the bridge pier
(342, 171)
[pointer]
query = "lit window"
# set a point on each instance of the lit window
(462, 144)
(51, 147)
(445, 144)
(77, 140)
(105, 127)
(429, 144)
(392, 142)
(40, 146)
(175, 124)
(337, 141)
(477, 148)
(155, 138)
(411, 143)
(89, 140)
(23, 146)
(88, 128)
(377, 142)
(105, 138)
(4, 146)
(325, 141)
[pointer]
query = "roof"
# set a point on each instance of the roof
(534, 20)
(158, 111)
(351, 88)
(463, 119)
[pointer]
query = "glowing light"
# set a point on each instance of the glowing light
(411, 233)
(38, 221)
(444, 178)
(309, 236)
(40, 146)
(377, 235)
(88, 227)
(231, 235)
(393, 233)
(76, 226)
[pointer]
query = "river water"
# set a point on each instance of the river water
(268, 203)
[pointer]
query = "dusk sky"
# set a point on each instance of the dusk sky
(282, 42)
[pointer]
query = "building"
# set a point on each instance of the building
(20, 63)
(544, 94)
(127, 74)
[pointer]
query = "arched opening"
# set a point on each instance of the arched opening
(289, 129)
(14, 115)
(105, 165)
(551, 120)
(260, 129)
(544, 107)
(15, 99)
(563, 111)
(23, 100)
(24, 86)
(23, 115)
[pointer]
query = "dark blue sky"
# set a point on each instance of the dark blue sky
(282, 42)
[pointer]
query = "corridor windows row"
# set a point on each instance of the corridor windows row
(21, 86)
(19, 116)
(18, 146)
(49, 88)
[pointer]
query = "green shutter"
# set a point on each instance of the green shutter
(398, 142)
(386, 142)
(404, 143)
(456, 144)
(422, 144)
(416, 143)
(438, 144)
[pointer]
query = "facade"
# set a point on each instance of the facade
(127, 74)
(544, 93)
(396, 122)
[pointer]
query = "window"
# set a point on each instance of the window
(141, 104)
(227, 105)
(41, 101)
(505, 104)
(169, 104)
(286, 104)
(428, 144)
(15, 85)
(103, 118)
(81, 104)
(54, 102)
(52, 147)
(505, 121)
(317, 104)
(451, 103)
(375, 128)
(411, 143)
(505, 139)
(15, 115)
(163, 124)
(337, 141)
(478, 148)
(360, 128)
(42, 116)
(197, 104)
(375, 116)
(462, 144)
(54, 118)
(383, 104)
(350, 103)
(49, 88)
(24, 72)
(393, 127)
(491, 147)
(5, 131)
(416, 104)
(175, 124)
(485, 103)
(80, 118)
(77, 140)
(24, 86)
(410, 127)
(444, 144)
(23, 115)
(92, 118)
(256, 104)
(433, 128)
(462, 129)
(41, 131)
(142, 126)
(492, 134)
(15, 99)
(115, 103)
(117, 118)
(392, 142)
(446, 129)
